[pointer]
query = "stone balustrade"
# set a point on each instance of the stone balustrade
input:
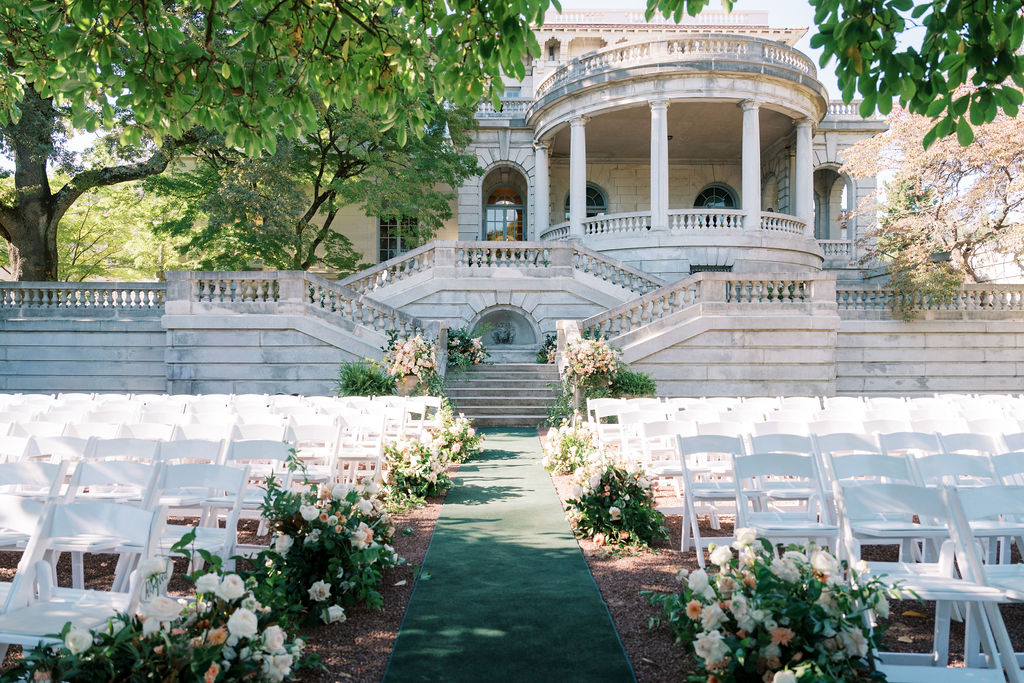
(502, 255)
(589, 261)
(835, 250)
(971, 297)
(393, 270)
(837, 109)
(92, 297)
(679, 221)
(780, 222)
(687, 220)
(653, 306)
(511, 108)
(696, 48)
(618, 222)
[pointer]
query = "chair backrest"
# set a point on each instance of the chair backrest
(791, 415)
(207, 432)
(13, 448)
(938, 424)
(258, 450)
(870, 467)
(854, 405)
(20, 513)
(700, 413)
(873, 502)
(835, 427)
(147, 430)
(59, 448)
(918, 443)
(161, 415)
(971, 443)
(765, 428)
(37, 428)
(85, 430)
(781, 443)
(886, 426)
(887, 402)
(992, 502)
(765, 403)
(711, 444)
(802, 403)
(144, 450)
(1014, 441)
(123, 481)
(34, 478)
(734, 429)
(1009, 467)
(954, 469)
(191, 450)
(797, 474)
(261, 431)
(845, 442)
(112, 415)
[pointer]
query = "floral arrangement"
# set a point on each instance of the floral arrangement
(414, 356)
(415, 468)
(225, 634)
(782, 619)
(331, 544)
(456, 440)
(465, 350)
(589, 362)
(613, 505)
(569, 446)
(548, 350)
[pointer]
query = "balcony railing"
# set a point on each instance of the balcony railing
(510, 108)
(680, 221)
(698, 48)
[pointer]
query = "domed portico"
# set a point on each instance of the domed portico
(682, 154)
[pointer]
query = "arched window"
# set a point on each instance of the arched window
(715, 196)
(597, 202)
(505, 215)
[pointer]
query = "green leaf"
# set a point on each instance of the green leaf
(964, 132)
(867, 106)
(225, 70)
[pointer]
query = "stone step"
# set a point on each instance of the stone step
(508, 421)
(510, 402)
(490, 411)
(464, 393)
(536, 385)
(531, 369)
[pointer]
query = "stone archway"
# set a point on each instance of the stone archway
(511, 334)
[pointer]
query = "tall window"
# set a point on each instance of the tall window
(504, 220)
(597, 202)
(395, 237)
(715, 197)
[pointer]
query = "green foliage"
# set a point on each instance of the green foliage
(330, 547)
(632, 384)
(456, 440)
(465, 348)
(569, 447)
(564, 406)
(547, 350)
(415, 468)
(803, 613)
(364, 379)
(614, 506)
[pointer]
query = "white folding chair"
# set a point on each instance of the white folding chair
(264, 458)
(59, 448)
(260, 431)
(33, 479)
(360, 448)
(154, 431)
(206, 432)
(142, 450)
(191, 450)
(37, 428)
(706, 465)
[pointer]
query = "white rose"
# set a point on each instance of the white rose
(711, 647)
(313, 537)
(160, 609)
(276, 667)
(854, 642)
(882, 607)
(243, 623)
(595, 480)
(786, 570)
(721, 555)
(365, 506)
(371, 486)
(784, 677)
(273, 639)
(340, 491)
(576, 492)
(822, 561)
(207, 583)
(698, 581)
(744, 536)
(615, 513)
(334, 613)
(309, 512)
(78, 640)
(152, 566)
(319, 591)
(283, 543)
(231, 588)
(711, 617)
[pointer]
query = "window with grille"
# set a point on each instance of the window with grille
(396, 236)
(504, 219)
(597, 202)
(715, 197)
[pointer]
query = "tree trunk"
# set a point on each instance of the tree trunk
(30, 224)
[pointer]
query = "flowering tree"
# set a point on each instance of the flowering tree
(961, 200)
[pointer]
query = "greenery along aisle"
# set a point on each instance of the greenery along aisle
(504, 592)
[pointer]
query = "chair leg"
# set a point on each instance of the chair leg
(1003, 645)
(77, 570)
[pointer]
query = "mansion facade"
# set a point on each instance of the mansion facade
(705, 146)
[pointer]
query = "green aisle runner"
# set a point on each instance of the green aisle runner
(509, 596)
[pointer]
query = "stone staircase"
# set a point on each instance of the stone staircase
(503, 395)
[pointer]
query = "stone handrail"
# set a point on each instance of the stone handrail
(780, 222)
(85, 296)
(555, 232)
(393, 270)
(704, 219)
(729, 288)
(331, 297)
(502, 254)
(619, 222)
(690, 48)
(971, 297)
(635, 280)
(511, 108)
(836, 249)
(706, 18)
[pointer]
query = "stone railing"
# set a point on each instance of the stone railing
(836, 250)
(839, 110)
(511, 108)
(617, 17)
(465, 259)
(974, 297)
(556, 232)
(85, 297)
(780, 222)
(724, 288)
(686, 220)
(695, 48)
(284, 292)
(619, 222)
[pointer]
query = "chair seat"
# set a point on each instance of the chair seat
(207, 538)
(1008, 578)
(85, 543)
(929, 584)
(907, 673)
(896, 529)
(27, 625)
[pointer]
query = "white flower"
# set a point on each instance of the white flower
(711, 647)
(747, 556)
(711, 617)
(784, 676)
(309, 512)
(313, 537)
(744, 536)
(243, 623)
(595, 480)
(231, 588)
(207, 583)
(319, 591)
(576, 492)
(615, 513)
(334, 613)
(362, 537)
(823, 562)
(863, 567)
(151, 567)
(721, 555)
(160, 609)
(854, 642)
(340, 491)
(698, 581)
(882, 606)
(365, 506)
(786, 570)
(273, 639)
(371, 486)
(78, 640)
(283, 543)
(276, 667)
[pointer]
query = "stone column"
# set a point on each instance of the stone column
(659, 165)
(542, 190)
(577, 176)
(804, 181)
(751, 165)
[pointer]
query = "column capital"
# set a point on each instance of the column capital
(750, 105)
(658, 105)
(541, 144)
(578, 121)
(803, 123)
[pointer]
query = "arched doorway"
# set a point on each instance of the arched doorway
(504, 205)
(833, 202)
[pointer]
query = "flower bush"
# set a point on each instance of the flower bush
(415, 468)
(569, 446)
(590, 362)
(465, 350)
(330, 547)
(225, 634)
(414, 356)
(799, 617)
(613, 505)
(456, 440)
(547, 351)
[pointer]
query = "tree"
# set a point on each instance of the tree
(964, 202)
(281, 208)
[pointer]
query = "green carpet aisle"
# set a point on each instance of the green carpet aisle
(509, 596)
